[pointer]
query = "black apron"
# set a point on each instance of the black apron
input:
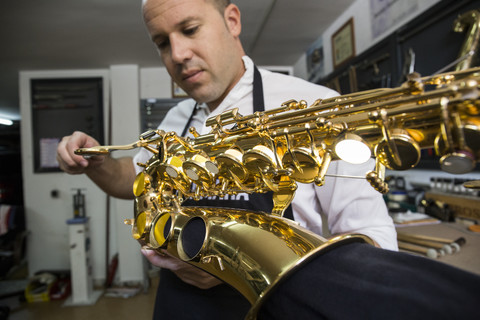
(179, 300)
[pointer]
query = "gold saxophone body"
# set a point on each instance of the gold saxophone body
(276, 149)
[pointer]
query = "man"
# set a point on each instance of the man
(198, 41)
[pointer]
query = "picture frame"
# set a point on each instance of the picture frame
(316, 61)
(178, 92)
(343, 44)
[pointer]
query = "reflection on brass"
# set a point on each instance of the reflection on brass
(405, 154)
(469, 51)
(273, 151)
(475, 184)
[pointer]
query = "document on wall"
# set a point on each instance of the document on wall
(48, 152)
(388, 13)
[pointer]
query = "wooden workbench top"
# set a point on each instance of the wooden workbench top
(468, 258)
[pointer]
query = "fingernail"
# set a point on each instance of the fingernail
(144, 250)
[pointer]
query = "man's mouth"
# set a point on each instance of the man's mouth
(191, 76)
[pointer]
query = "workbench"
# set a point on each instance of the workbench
(468, 258)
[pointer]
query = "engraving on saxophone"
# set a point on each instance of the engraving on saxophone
(275, 150)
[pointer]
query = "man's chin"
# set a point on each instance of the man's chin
(200, 97)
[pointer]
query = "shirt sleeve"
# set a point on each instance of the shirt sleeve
(354, 206)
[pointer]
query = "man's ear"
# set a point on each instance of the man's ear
(233, 19)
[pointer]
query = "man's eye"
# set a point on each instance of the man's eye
(190, 31)
(162, 44)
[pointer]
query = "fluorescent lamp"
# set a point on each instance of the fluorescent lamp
(6, 122)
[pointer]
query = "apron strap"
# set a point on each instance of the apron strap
(258, 99)
(184, 132)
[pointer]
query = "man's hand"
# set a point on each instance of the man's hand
(69, 161)
(183, 270)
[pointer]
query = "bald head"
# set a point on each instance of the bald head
(219, 4)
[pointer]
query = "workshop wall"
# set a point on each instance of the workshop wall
(361, 12)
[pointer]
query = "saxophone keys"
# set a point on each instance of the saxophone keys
(400, 152)
(320, 178)
(458, 162)
(141, 184)
(200, 168)
(376, 182)
(474, 184)
(259, 159)
(161, 230)
(304, 165)
(351, 148)
(140, 164)
(230, 165)
(171, 168)
(141, 225)
(194, 132)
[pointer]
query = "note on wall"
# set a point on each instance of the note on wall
(387, 13)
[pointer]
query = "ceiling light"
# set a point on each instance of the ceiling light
(6, 122)
(351, 148)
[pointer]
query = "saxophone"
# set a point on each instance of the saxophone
(276, 149)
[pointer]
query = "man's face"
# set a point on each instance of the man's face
(197, 45)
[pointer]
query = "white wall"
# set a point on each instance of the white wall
(125, 115)
(155, 83)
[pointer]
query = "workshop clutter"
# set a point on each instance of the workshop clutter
(47, 286)
(432, 247)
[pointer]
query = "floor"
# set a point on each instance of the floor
(138, 307)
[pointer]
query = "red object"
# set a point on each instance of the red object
(112, 270)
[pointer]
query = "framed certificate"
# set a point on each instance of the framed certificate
(178, 92)
(343, 44)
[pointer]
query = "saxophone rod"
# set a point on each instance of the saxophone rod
(344, 176)
(455, 62)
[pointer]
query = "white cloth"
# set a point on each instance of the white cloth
(350, 205)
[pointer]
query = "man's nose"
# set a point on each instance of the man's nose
(181, 50)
